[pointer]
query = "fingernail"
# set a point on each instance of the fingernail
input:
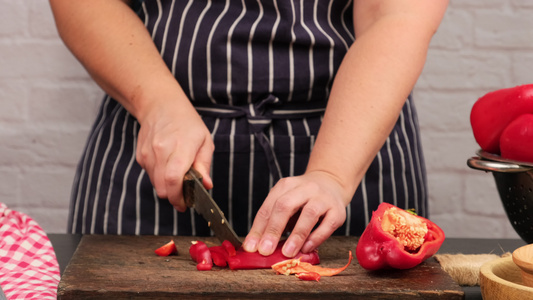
(289, 249)
(308, 247)
(266, 247)
(250, 245)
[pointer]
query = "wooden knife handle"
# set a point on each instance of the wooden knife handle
(191, 179)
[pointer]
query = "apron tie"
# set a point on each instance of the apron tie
(259, 116)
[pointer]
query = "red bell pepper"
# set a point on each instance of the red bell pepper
(397, 239)
(167, 249)
(493, 112)
(516, 141)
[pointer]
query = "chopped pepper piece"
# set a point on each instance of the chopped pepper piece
(219, 255)
(200, 253)
(309, 276)
(394, 238)
(296, 266)
(167, 249)
(230, 249)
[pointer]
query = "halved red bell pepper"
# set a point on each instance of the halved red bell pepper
(491, 114)
(397, 239)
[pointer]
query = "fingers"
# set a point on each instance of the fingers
(202, 163)
(266, 230)
(174, 171)
(161, 159)
(332, 220)
(309, 217)
(168, 150)
(313, 202)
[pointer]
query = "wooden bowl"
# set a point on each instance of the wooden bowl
(501, 279)
(523, 258)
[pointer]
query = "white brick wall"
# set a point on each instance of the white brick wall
(48, 102)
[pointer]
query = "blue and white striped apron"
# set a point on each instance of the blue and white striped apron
(259, 73)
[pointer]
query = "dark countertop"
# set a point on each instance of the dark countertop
(65, 245)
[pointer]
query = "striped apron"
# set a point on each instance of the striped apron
(259, 73)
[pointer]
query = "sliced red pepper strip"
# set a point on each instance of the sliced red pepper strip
(226, 254)
(246, 260)
(167, 249)
(388, 244)
(308, 276)
(200, 253)
(296, 266)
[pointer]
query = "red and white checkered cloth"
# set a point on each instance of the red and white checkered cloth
(28, 264)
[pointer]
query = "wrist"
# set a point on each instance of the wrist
(346, 186)
(145, 101)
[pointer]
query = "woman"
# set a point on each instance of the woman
(242, 91)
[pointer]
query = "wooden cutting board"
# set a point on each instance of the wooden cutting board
(126, 267)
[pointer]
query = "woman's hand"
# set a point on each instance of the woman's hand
(313, 198)
(112, 43)
(173, 138)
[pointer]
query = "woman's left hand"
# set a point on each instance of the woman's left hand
(314, 198)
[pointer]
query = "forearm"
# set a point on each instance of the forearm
(368, 93)
(111, 42)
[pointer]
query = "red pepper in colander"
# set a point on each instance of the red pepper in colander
(516, 141)
(493, 112)
(397, 239)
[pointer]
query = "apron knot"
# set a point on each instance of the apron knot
(259, 115)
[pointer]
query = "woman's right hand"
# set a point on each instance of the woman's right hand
(172, 138)
(112, 43)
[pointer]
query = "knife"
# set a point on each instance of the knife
(197, 197)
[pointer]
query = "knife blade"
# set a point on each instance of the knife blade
(197, 197)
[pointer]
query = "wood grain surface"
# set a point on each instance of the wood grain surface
(501, 280)
(126, 267)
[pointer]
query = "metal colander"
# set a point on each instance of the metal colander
(514, 181)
